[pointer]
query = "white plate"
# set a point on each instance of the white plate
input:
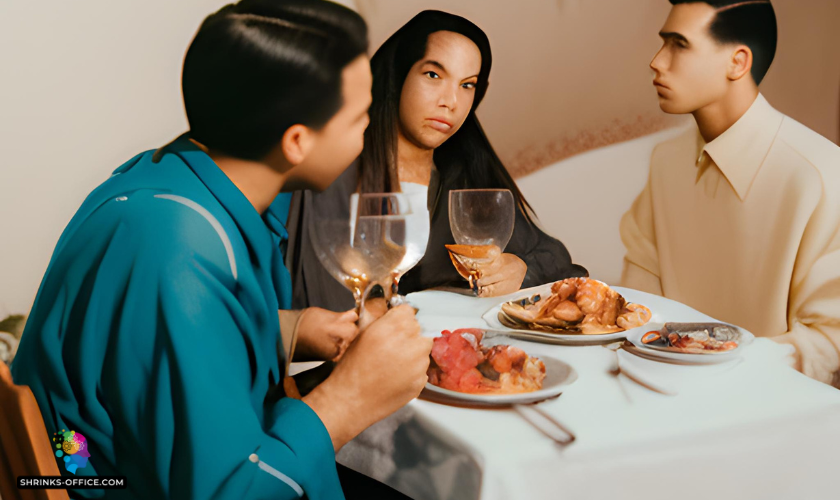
(491, 317)
(707, 358)
(558, 376)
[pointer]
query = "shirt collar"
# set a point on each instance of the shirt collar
(253, 226)
(277, 215)
(740, 151)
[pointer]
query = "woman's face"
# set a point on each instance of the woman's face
(439, 90)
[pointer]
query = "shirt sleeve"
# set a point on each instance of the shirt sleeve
(814, 317)
(641, 262)
(201, 389)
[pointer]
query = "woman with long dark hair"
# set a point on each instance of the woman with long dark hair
(428, 79)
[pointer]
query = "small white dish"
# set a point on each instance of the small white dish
(663, 354)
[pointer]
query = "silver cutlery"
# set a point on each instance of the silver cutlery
(617, 369)
(545, 423)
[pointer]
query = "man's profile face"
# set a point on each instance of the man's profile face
(691, 67)
(341, 139)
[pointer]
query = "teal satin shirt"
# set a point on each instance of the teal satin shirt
(155, 335)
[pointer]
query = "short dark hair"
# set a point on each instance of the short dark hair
(258, 67)
(750, 22)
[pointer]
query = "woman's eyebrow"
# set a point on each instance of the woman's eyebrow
(435, 63)
(442, 68)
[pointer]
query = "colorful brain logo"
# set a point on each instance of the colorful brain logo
(73, 448)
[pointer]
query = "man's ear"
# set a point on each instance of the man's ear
(297, 143)
(740, 64)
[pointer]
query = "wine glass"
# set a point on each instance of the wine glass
(480, 218)
(414, 209)
(362, 247)
(416, 230)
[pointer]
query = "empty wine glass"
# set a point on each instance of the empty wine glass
(360, 249)
(416, 213)
(480, 218)
(416, 230)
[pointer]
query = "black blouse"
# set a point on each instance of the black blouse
(546, 257)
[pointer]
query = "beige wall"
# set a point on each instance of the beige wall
(804, 81)
(571, 75)
(86, 85)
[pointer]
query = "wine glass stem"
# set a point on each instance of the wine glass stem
(473, 280)
(396, 298)
(357, 296)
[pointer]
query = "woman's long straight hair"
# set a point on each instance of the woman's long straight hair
(465, 160)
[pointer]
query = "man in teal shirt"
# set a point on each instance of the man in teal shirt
(155, 332)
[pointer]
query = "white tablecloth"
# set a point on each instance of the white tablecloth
(751, 428)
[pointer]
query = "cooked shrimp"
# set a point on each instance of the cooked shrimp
(567, 288)
(504, 358)
(568, 311)
(591, 296)
(632, 316)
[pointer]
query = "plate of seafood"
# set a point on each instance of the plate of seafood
(470, 369)
(574, 311)
(699, 343)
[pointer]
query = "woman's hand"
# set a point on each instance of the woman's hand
(324, 335)
(502, 276)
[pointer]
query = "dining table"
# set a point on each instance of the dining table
(749, 428)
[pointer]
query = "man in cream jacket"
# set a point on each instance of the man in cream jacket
(740, 217)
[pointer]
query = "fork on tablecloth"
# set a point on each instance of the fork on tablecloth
(545, 423)
(633, 375)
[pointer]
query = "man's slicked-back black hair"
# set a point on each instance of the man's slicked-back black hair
(257, 67)
(750, 22)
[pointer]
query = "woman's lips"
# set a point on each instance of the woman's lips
(439, 124)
